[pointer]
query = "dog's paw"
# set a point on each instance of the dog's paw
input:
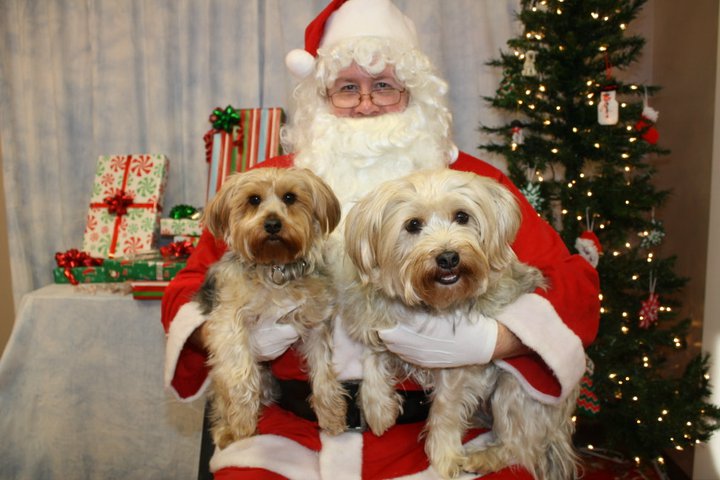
(483, 461)
(449, 466)
(222, 437)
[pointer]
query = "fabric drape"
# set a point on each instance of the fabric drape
(83, 78)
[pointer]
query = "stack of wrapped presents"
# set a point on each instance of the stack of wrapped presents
(129, 237)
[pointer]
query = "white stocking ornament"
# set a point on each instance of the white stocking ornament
(608, 108)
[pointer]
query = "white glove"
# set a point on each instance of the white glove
(443, 342)
(269, 339)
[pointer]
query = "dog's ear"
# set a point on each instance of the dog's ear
(326, 206)
(216, 215)
(362, 227)
(505, 214)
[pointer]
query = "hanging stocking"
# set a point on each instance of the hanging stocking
(646, 124)
(588, 402)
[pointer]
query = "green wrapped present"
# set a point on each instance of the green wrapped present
(76, 275)
(156, 267)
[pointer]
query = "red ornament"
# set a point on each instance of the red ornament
(649, 311)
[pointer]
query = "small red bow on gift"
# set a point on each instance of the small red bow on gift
(118, 203)
(177, 249)
(75, 258)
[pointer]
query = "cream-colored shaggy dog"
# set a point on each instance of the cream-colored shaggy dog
(435, 246)
(275, 223)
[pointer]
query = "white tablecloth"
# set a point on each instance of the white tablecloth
(81, 393)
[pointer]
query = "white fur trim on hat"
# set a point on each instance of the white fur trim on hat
(343, 19)
(369, 18)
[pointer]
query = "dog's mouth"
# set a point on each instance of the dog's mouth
(447, 278)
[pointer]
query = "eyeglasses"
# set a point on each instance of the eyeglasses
(383, 97)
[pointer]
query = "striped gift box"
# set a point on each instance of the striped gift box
(148, 289)
(255, 139)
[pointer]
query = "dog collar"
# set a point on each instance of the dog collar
(281, 274)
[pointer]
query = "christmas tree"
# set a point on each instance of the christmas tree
(579, 141)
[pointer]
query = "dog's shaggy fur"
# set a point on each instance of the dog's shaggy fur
(275, 223)
(435, 246)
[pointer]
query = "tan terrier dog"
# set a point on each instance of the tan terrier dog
(275, 223)
(436, 246)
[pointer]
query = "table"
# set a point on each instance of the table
(81, 394)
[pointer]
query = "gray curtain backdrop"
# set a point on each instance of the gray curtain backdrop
(83, 78)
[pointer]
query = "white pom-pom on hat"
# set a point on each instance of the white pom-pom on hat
(343, 19)
(299, 62)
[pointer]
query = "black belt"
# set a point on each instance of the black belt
(294, 396)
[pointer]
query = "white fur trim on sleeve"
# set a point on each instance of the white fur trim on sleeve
(535, 322)
(187, 319)
(270, 452)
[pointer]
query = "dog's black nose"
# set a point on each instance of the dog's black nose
(272, 225)
(448, 260)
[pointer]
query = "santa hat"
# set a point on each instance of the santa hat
(589, 247)
(343, 19)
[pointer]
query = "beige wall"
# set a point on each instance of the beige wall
(7, 311)
(707, 457)
(684, 46)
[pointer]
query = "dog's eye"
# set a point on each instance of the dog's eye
(414, 225)
(289, 198)
(254, 200)
(461, 217)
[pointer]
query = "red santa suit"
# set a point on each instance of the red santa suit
(556, 324)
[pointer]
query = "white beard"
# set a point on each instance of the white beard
(353, 155)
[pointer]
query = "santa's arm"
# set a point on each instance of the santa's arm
(185, 368)
(556, 323)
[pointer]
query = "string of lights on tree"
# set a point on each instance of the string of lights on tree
(579, 141)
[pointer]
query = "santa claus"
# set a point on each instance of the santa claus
(370, 107)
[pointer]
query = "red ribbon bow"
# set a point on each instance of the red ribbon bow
(118, 204)
(75, 258)
(177, 249)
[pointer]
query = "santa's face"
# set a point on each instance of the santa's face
(378, 94)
